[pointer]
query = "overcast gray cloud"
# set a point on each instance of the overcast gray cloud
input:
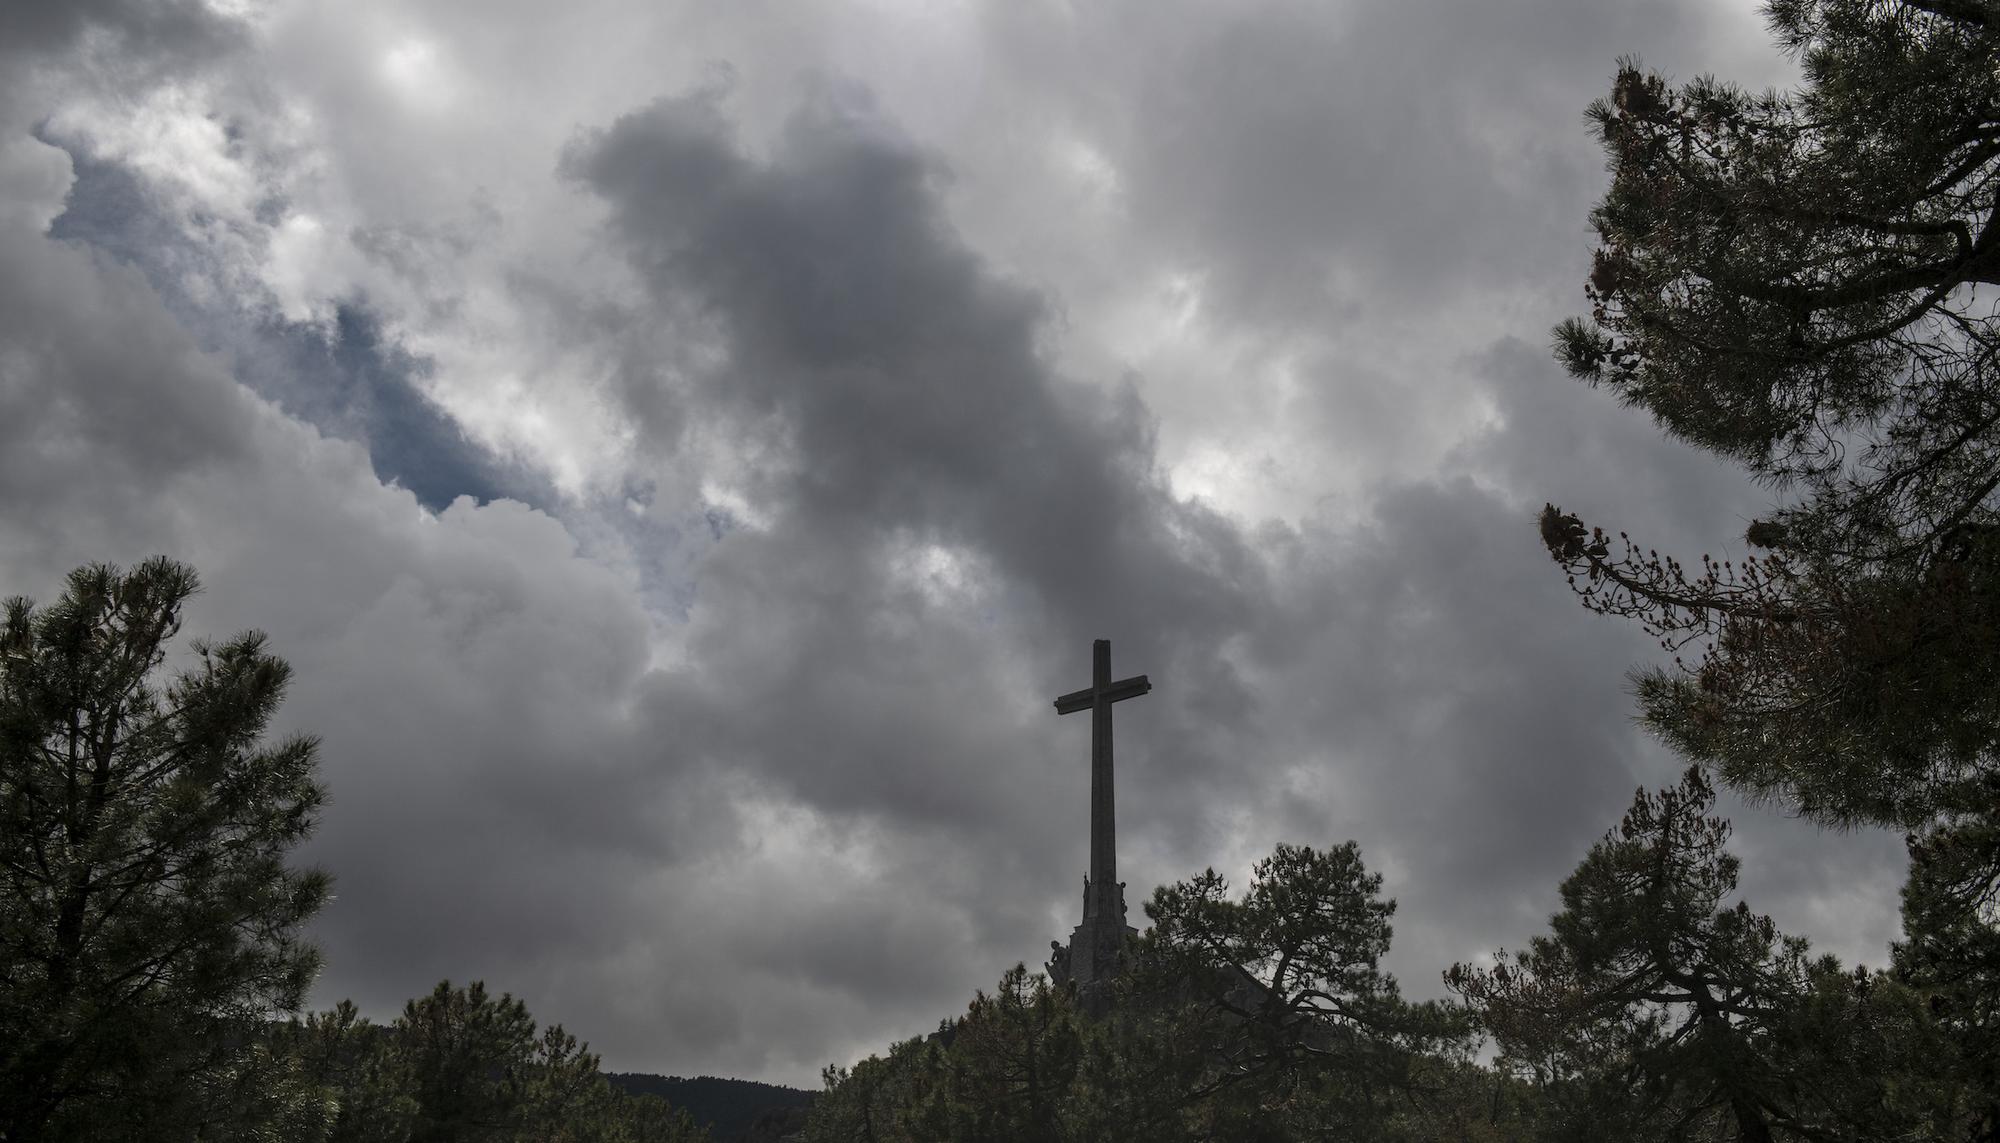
(684, 451)
(135, 33)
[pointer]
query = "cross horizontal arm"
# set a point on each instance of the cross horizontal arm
(1119, 691)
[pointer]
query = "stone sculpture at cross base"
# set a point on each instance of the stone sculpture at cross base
(1096, 947)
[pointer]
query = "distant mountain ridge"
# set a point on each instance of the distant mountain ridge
(733, 1110)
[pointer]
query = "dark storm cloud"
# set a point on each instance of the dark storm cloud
(1408, 150)
(66, 391)
(163, 29)
(904, 375)
(899, 389)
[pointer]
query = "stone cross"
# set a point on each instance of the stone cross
(1103, 928)
(1097, 699)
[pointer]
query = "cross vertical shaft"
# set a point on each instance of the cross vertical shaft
(1103, 805)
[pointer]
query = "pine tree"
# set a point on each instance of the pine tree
(149, 924)
(476, 1070)
(367, 1093)
(1801, 283)
(1278, 1000)
(1015, 1056)
(1658, 1009)
(467, 1053)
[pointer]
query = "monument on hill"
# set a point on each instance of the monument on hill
(1091, 959)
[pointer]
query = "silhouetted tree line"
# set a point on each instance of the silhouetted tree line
(1657, 1007)
(733, 1110)
(1799, 282)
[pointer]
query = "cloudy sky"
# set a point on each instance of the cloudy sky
(684, 446)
